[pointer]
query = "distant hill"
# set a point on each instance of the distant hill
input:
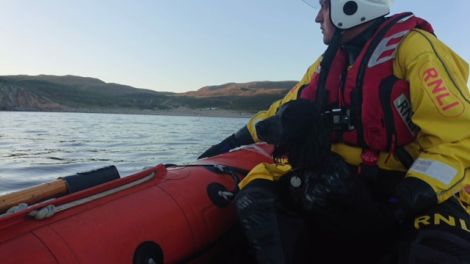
(244, 89)
(83, 94)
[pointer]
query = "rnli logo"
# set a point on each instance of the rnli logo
(403, 107)
(438, 219)
(445, 101)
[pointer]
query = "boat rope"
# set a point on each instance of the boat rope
(44, 212)
(20, 207)
(16, 208)
(234, 172)
(51, 209)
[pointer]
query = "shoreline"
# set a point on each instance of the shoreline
(180, 111)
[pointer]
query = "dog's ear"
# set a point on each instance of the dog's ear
(290, 124)
(270, 130)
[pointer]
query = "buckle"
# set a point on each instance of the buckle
(340, 118)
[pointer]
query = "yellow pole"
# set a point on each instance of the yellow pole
(34, 194)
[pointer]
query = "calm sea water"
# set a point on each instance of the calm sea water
(38, 147)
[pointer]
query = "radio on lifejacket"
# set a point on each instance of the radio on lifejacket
(340, 119)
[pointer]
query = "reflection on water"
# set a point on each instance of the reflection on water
(39, 147)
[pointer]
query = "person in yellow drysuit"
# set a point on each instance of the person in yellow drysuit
(402, 108)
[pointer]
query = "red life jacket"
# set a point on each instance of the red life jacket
(379, 102)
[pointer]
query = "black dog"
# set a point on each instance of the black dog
(321, 183)
(299, 133)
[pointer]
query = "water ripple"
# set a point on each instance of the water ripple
(39, 147)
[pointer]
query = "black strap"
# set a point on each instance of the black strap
(404, 157)
(386, 88)
(321, 96)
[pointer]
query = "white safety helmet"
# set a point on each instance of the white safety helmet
(346, 14)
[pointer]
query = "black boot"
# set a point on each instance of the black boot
(273, 232)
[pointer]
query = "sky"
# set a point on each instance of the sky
(183, 45)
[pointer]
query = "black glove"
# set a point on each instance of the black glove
(414, 196)
(240, 138)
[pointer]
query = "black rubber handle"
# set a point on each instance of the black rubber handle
(84, 180)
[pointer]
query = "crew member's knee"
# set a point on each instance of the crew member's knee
(257, 196)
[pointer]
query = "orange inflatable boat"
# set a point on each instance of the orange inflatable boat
(164, 214)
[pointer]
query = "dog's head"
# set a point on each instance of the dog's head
(298, 132)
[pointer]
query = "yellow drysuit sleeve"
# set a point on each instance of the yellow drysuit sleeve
(291, 95)
(267, 171)
(440, 101)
